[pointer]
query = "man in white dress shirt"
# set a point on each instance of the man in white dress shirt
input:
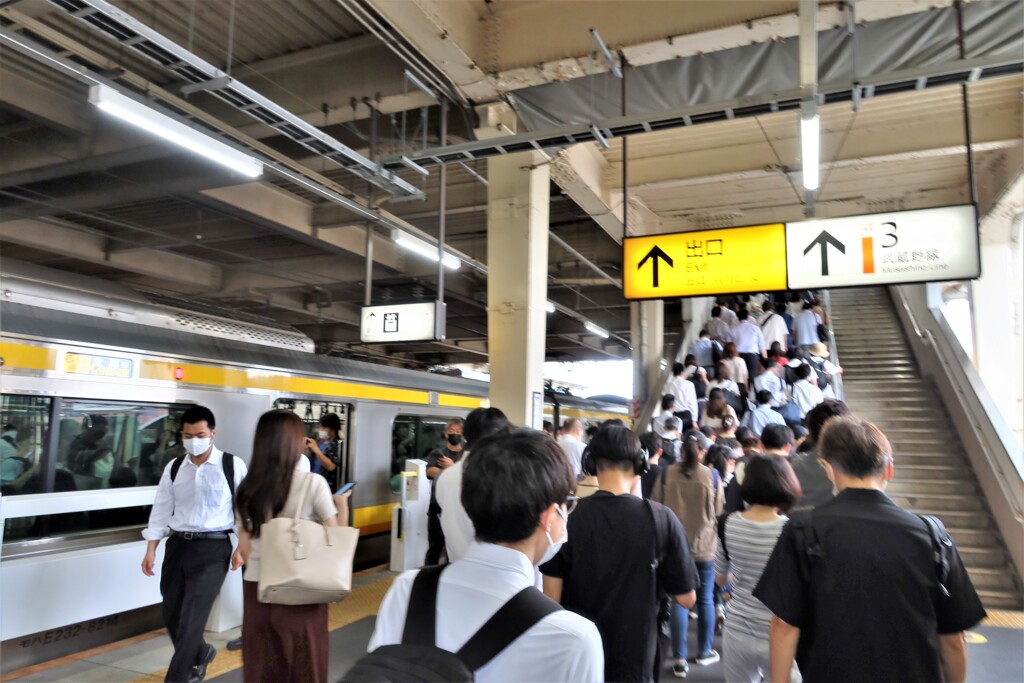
(750, 343)
(193, 506)
(516, 492)
(717, 327)
(456, 524)
(572, 443)
(684, 391)
(805, 327)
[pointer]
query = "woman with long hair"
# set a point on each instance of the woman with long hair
(770, 488)
(716, 410)
(696, 494)
(281, 642)
(723, 379)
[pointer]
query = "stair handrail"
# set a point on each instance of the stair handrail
(996, 442)
(833, 347)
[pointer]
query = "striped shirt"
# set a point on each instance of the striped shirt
(749, 545)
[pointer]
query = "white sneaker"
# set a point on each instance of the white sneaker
(707, 659)
(680, 669)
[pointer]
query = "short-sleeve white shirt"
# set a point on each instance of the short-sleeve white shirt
(562, 646)
(458, 528)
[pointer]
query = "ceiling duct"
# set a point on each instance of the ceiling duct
(202, 76)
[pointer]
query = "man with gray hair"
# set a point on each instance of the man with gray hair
(858, 574)
(572, 443)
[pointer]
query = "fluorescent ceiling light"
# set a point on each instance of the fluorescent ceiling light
(809, 150)
(409, 163)
(596, 330)
(549, 307)
(423, 248)
(149, 119)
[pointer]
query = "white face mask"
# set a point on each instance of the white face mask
(322, 435)
(196, 447)
(553, 547)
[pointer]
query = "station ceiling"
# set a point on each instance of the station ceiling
(82, 193)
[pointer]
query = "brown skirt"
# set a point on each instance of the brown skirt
(283, 643)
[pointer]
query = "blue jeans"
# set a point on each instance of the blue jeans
(705, 607)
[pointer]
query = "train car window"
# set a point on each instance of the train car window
(414, 436)
(335, 450)
(101, 445)
(24, 440)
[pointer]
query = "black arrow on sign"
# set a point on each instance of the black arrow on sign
(654, 254)
(825, 239)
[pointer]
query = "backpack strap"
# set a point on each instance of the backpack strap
(175, 466)
(942, 547)
(421, 616)
(516, 617)
(807, 541)
(229, 470)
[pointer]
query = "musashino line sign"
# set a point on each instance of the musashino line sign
(733, 260)
(884, 248)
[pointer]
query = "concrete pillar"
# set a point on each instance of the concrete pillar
(518, 199)
(647, 332)
(997, 315)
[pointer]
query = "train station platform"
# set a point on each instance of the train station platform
(995, 653)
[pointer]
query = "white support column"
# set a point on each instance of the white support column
(518, 200)
(997, 312)
(647, 333)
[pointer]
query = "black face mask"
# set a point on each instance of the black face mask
(454, 439)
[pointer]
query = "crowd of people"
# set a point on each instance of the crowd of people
(585, 558)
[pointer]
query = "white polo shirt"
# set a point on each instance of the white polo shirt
(573, 448)
(562, 646)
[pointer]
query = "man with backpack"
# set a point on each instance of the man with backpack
(860, 589)
(481, 617)
(193, 509)
(623, 557)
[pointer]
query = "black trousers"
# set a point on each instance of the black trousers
(190, 580)
(435, 534)
(753, 362)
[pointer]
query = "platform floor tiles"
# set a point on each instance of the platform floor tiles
(995, 649)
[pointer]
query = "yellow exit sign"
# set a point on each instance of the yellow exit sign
(728, 261)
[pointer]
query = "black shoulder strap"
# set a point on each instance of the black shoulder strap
(721, 534)
(229, 472)
(807, 541)
(421, 616)
(942, 546)
(176, 466)
(514, 619)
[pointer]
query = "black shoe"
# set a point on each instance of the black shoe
(235, 644)
(199, 670)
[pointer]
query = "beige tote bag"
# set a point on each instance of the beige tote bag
(304, 562)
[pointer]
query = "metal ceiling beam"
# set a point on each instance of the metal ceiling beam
(938, 75)
(202, 76)
(75, 242)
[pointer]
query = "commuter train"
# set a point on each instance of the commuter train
(93, 379)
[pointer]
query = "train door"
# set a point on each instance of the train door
(312, 412)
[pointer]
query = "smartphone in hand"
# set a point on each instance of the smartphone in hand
(345, 487)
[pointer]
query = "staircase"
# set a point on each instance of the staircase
(883, 384)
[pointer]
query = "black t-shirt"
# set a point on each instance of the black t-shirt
(435, 454)
(872, 610)
(648, 480)
(606, 567)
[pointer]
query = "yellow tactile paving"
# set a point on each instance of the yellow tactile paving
(363, 601)
(1002, 618)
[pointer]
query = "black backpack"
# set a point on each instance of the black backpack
(228, 463)
(811, 550)
(417, 659)
(824, 379)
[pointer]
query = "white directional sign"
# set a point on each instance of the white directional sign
(403, 322)
(883, 248)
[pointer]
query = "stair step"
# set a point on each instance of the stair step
(912, 487)
(976, 537)
(989, 557)
(967, 521)
(929, 472)
(940, 501)
(1009, 600)
(988, 578)
(905, 459)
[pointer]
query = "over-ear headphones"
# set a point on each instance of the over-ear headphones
(641, 462)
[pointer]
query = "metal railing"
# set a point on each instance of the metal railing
(833, 347)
